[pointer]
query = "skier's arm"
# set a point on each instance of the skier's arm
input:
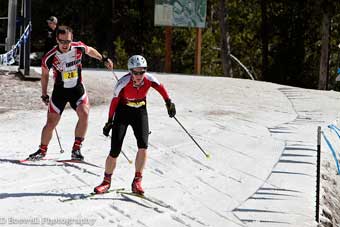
(170, 106)
(95, 54)
(161, 90)
(113, 107)
(108, 125)
(44, 80)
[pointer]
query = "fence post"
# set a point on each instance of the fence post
(317, 214)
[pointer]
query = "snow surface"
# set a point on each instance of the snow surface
(262, 171)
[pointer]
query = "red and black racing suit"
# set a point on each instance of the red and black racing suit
(68, 86)
(128, 107)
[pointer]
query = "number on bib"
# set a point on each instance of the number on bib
(70, 75)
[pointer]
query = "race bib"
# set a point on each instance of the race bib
(70, 75)
(70, 78)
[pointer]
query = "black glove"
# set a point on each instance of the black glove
(107, 128)
(105, 58)
(170, 107)
(45, 99)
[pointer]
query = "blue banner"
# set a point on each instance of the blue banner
(9, 57)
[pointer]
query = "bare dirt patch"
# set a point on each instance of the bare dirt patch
(19, 94)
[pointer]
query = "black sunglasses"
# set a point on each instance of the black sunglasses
(61, 31)
(138, 72)
(64, 42)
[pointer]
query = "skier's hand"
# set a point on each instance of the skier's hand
(45, 99)
(107, 62)
(107, 128)
(170, 106)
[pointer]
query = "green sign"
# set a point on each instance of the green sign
(182, 13)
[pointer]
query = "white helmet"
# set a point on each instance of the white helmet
(137, 61)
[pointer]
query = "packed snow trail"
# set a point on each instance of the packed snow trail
(261, 138)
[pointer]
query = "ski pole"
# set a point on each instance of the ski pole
(61, 149)
(206, 154)
(114, 60)
(125, 156)
(115, 76)
(130, 162)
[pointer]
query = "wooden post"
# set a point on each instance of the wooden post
(168, 41)
(198, 51)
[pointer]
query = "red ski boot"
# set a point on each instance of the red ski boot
(104, 186)
(137, 184)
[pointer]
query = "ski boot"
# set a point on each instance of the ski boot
(38, 155)
(76, 155)
(136, 186)
(104, 186)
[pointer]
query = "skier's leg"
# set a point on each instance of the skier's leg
(56, 107)
(82, 108)
(83, 114)
(80, 103)
(47, 131)
(80, 130)
(141, 130)
(46, 135)
(118, 133)
(140, 160)
(110, 165)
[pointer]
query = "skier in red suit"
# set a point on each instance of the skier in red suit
(128, 107)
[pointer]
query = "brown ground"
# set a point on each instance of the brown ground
(18, 94)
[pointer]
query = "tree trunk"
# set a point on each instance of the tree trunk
(225, 45)
(141, 31)
(113, 37)
(324, 59)
(264, 37)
